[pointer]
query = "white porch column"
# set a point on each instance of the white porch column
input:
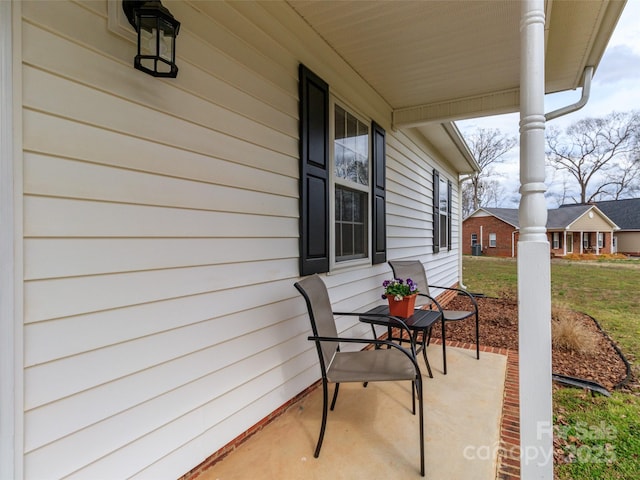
(534, 271)
(11, 298)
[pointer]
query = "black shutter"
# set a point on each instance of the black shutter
(436, 211)
(314, 173)
(449, 221)
(379, 227)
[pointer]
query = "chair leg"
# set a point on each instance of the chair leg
(418, 383)
(477, 337)
(335, 396)
(414, 391)
(424, 350)
(444, 348)
(325, 400)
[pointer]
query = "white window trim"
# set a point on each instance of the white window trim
(495, 240)
(357, 262)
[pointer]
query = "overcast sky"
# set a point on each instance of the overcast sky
(615, 87)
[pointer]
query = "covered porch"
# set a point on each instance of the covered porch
(155, 227)
(471, 428)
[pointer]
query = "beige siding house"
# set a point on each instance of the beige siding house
(151, 227)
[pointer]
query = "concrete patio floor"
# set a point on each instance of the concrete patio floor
(372, 433)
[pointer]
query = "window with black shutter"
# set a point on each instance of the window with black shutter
(379, 223)
(442, 234)
(314, 173)
(342, 182)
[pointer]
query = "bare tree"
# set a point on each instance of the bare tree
(488, 147)
(600, 154)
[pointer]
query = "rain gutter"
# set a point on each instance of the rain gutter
(586, 91)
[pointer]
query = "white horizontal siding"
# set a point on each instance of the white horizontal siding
(51, 258)
(64, 217)
(124, 151)
(161, 235)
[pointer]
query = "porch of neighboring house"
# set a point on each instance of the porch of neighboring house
(471, 428)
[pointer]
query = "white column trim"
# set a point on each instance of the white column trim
(534, 265)
(11, 293)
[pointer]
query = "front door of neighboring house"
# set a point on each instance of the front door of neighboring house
(569, 242)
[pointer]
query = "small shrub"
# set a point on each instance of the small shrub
(569, 333)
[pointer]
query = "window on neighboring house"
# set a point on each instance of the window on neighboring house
(556, 240)
(474, 239)
(351, 186)
(600, 239)
(342, 182)
(492, 240)
(585, 240)
(442, 190)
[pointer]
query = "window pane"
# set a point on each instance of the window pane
(351, 148)
(351, 224)
(443, 230)
(358, 237)
(352, 132)
(444, 196)
(341, 125)
(341, 161)
(347, 208)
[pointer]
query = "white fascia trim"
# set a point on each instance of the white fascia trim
(506, 101)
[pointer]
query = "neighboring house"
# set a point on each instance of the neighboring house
(570, 229)
(626, 214)
(152, 228)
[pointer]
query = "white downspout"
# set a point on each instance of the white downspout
(460, 235)
(534, 266)
(584, 98)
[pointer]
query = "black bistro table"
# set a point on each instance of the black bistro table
(420, 322)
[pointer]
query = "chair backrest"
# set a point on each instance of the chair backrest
(323, 323)
(414, 270)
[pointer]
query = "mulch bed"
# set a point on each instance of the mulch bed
(499, 328)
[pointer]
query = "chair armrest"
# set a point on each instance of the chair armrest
(436, 303)
(370, 318)
(411, 355)
(459, 290)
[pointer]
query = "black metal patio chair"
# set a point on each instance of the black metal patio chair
(414, 270)
(372, 365)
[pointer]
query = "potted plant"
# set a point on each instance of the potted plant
(401, 296)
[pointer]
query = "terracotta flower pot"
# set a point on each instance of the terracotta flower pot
(403, 308)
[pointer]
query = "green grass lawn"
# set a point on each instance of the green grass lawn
(600, 436)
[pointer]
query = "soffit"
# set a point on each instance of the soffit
(443, 60)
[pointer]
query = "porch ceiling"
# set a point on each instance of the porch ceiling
(443, 60)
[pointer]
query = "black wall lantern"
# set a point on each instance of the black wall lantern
(157, 32)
